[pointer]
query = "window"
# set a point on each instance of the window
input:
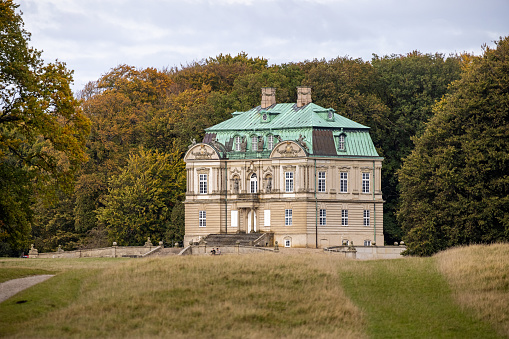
(365, 182)
(344, 217)
(341, 142)
(270, 142)
(366, 217)
(367, 242)
(288, 243)
(321, 181)
(238, 140)
(254, 143)
(203, 184)
(254, 184)
(288, 217)
(323, 217)
(343, 182)
(288, 181)
(203, 218)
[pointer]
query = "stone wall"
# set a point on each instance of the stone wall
(203, 249)
(106, 252)
(368, 252)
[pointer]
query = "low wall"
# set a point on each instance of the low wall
(368, 252)
(236, 249)
(105, 252)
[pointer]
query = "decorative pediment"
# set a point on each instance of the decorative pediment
(288, 149)
(267, 170)
(201, 152)
(251, 168)
(234, 171)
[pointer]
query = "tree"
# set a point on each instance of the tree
(408, 85)
(455, 183)
(42, 129)
(141, 199)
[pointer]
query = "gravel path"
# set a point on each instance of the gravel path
(11, 287)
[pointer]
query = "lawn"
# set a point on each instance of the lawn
(314, 295)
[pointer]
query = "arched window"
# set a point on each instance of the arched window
(254, 184)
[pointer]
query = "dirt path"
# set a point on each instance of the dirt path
(11, 287)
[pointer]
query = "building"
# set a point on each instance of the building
(307, 175)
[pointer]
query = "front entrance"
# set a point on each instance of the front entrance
(251, 220)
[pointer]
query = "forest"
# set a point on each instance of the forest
(83, 169)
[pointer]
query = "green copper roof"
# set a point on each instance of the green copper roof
(320, 127)
(284, 116)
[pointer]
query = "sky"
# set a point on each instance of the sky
(93, 36)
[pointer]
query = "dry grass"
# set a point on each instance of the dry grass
(290, 296)
(479, 278)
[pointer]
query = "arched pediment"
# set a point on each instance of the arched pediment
(288, 149)
(202, 152)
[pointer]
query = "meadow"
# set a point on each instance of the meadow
(459, 293)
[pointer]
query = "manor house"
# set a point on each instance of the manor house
(304, 173)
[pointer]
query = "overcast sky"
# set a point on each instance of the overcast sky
(93, 36)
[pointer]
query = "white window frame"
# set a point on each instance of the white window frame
(344, 217)
(343, 182)
(288, 217)
(365, 183)
(341, 142)
(202, 218)
(323, 217)
(289, 182)
(366, 217)
(321, 181)
(253, 186)
(270, 142)
(367, 242)
(237, 141)
(254, 143)
(203, 183)
(288, 243)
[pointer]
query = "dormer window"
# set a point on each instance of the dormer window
(341, 142)
(330, 115)
(238, 141)
(270, 142)
(254, 143)
(265, 117)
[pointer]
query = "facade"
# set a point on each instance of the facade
(297, 170)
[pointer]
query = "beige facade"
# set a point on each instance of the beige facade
(305, 200)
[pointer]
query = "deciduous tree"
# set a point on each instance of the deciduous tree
(455, 183)
(42, 129)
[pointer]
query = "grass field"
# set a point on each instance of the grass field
(314, 295)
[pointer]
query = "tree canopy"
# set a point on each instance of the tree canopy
(455, 183)
(42, 129)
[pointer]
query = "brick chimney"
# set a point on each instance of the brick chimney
(303, 96)
(268, 96)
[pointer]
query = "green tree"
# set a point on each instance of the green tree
(42, 129)
(455, 183)
(408, 85)
(141, 198)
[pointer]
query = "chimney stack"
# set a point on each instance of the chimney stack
(303, 96)
(268, 96)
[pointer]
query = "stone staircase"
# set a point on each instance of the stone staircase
(244, 239)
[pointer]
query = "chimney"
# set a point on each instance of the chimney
(303, 96)
(268, 96)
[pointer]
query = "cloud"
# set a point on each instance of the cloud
(93, 36)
